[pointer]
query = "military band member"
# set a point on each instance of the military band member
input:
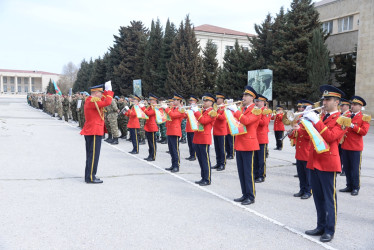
(150, 127)
(324, 166)
(133, 125)
(202, 140)
(229, 145)
(353, 145)
(219, 134)
(246, 145)
(278, 127)
(303, 146)
(345, 107)
(93, 128)
(190, 133)
(263, 139)
(174, 131)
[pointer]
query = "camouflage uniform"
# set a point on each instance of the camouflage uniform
(81, 113)
(162, 129)
(141, 131)
(184, 134)
(73, 108)
(122, 120)
(65, 107)
(111, 116)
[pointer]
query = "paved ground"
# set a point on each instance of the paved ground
(45, 203)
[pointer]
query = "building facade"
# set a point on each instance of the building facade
(351, 27)
(222, 38)
(24, 81)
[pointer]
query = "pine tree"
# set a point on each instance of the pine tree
(185, 66)
(98, 75)
(83, 77)
(152, 79)
(233, 77)
(290, 71)
(210, 66)
(317, 64)
(345, 73)
(50, 88)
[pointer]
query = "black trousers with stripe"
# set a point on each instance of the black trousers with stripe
(152, 145)
(220, 148)
(134, 139)
(352, 166)
(278, 137)
(304, 177)
(173, 143)
(230, 141)
(93, 146)
(260, 162)
(202, 153)
(244, 162)
(325, 200)
(191, 147)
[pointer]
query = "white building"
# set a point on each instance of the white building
(222, 38)
(24, 81)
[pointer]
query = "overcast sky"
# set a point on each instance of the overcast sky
(47, 34)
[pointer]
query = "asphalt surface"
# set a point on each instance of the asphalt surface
(45, 203)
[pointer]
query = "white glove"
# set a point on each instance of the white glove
(141, 105)
(229, 101)
(233, 108)
(127, 108)
(308, 108)
(194, 108)
(352, 125)
(311, 116)
(164, 106)
(108, 85)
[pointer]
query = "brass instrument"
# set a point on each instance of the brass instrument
(292, 115)
(228, 104)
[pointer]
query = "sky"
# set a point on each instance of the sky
(45, 35)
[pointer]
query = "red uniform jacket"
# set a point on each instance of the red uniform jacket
(220, 125)
(94, 114)
(150, 124)
(331, 132)
(174, 126)
(133, 118)
(204, 137)
(354, 136)
(303, 144)
(248, 141)
(278, 123)
(263, 128)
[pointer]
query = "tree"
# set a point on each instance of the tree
(210, 66)
(317, 62)
(152, 78)
(290, 71)
(83, 76)
(68, 77)
(98, 75)
(51, 87)
(233, 77)
(185, 66)
(345, 72)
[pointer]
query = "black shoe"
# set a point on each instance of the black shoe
(114, 141)
(299, 194)
(315, 232)
(151, 159)
(215, 166)
(276, 148)
(354, 192)
(296, 176)
(294, 163)
(200, 181)
(221, 168)
(230, 157)
(191, 158)
(168, 152)
(133, 152)
(183, 141)
(326, 237)
(148, 158)
(169, 168)
(259, 180)
(346, 190)
(109, 138)
(204, 183)
(342, 174)
(95, 181)
(248, 201)
(174, 170)
(240, 199)
(305, 196)
(164, 142)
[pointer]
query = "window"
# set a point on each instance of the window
(32, 81)
(26, 89)
(229, 47)
(345, 24)
(5, 88)
(19, 88)
(19, 80)
(5, 79)
(11, 79)
(26, 80)
(327, 26)
(33, 89)
(11, 88)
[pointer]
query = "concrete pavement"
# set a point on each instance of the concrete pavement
(45, 203)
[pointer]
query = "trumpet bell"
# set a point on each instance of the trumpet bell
(290, 115)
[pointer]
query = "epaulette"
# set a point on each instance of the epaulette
(182, 110)
(212, 113)
(95, 99)
(267, 111)
(366, 118)
(256, 111)
(344, 121)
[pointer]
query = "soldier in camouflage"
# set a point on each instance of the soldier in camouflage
(111, 116)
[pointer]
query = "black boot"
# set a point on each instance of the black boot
(183, 141)
(114, 140)
(109, 137)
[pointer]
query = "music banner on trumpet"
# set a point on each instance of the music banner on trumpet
(194, 123)
(236, 128)
(319, 143)
(161, 116)
(139, 113)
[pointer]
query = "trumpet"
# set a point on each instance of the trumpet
(292, 116)
(228, 104)
(190, 106)
(158, 105)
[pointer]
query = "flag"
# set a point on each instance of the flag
(319, 143)
(161, 116)
(236, 128)
(194, 123)
(57, 89)
(139, 113)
